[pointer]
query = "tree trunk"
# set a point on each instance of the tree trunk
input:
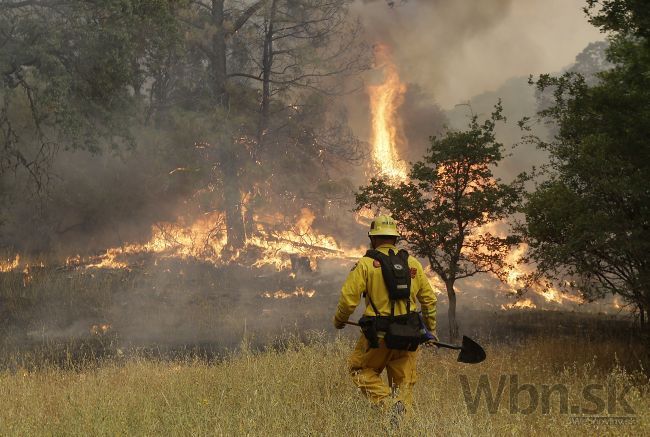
(267, 65)
(218, 68)
(642, 320)
(453, 324)
(249, 222)
(230, 160)
(232, 200)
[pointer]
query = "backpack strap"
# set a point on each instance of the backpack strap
(374, 254)
(374, 308)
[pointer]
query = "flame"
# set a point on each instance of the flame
(434, 280)
(275, 243)
(300, 239)
(281, 294)
(385, 99)
(109, 260)
(202, 239)
(552, 294)
(9, 264)
(520, 304)
(100, 328)
(517, 272)
(364, 217)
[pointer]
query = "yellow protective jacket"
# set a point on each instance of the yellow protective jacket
(366, 277)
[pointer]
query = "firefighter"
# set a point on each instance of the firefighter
(376, 349)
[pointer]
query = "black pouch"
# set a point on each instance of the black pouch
(404, 332)
(368, 326)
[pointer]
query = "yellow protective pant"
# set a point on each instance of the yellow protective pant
(366, 365)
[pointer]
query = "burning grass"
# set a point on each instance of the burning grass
(302, 388)
(178, 308)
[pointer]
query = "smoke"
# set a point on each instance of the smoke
(446, 52)
(455, 50)
(188, 305)
(174, 304)
(472, 52)
(477, 52)
(95, 201)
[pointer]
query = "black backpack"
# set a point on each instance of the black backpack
(402, 332)
(396, 273)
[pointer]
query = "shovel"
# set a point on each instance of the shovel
(470, 351)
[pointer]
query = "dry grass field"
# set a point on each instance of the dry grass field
(173, 363)
(303, 389)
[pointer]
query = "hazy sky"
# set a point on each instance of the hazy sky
(456, 49)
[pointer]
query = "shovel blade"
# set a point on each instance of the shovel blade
(470, 352)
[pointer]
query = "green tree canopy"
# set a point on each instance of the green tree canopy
(588, 224)
(69, 75)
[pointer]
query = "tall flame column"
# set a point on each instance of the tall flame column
(385, 99)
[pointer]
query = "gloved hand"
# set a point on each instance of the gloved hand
(430, 343)
(338, 324)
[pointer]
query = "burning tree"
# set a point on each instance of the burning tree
(272, 98)
(445, 207)
(211, 108)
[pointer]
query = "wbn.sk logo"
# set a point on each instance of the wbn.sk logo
(596, 399)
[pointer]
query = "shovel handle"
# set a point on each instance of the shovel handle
(437, 343)
(448, 346)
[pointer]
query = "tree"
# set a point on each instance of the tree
(588, 224)
(300, 47)
(444, 210)
(69, 74)
(73, 75)
(266, 64)
(591, 61)
(216, 25)
(300, 56)
(152, 84)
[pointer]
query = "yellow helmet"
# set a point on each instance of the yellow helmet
(383, 225)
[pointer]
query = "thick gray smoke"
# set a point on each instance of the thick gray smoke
(453, 53)
(457, 49)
